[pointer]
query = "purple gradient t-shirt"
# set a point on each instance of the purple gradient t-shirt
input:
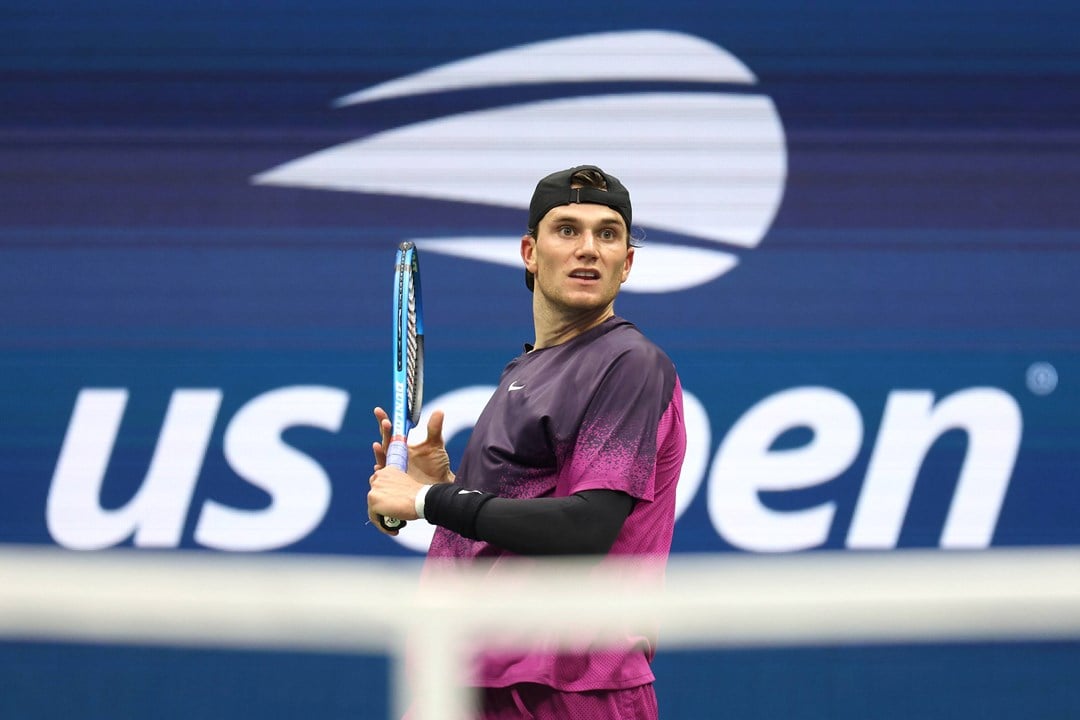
(602, 411)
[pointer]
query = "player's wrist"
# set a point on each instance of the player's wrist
(418, 502)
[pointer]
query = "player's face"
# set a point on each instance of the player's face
(580, 256)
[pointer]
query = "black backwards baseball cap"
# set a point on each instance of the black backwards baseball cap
(555, 190)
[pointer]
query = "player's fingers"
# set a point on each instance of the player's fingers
(380, 455)
(384, 424)
(372, 500)
(434, 427)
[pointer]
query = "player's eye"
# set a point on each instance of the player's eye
(566, 230)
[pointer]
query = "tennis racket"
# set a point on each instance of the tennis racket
(408, 361)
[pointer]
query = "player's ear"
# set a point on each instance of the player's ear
(627, 264)
(528, 252)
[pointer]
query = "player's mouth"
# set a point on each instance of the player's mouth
(585, 275)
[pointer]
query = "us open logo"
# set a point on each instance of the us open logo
(706, 168)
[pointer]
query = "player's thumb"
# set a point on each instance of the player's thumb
(434, 428)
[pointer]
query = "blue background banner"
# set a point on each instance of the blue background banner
(914, 240)
(862, 220)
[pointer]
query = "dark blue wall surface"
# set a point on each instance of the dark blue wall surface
(924, 247)
(888, 682)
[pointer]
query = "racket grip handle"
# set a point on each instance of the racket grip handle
(397, 455)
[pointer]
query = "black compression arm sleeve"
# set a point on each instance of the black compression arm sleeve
(583, 524)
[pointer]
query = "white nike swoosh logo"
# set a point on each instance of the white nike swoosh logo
(514, 386)
(469, 492)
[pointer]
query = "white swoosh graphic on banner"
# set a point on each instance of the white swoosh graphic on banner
(658, 267)
(641, 55)
(707, 165)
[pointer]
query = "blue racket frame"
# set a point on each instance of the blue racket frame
(408, 396)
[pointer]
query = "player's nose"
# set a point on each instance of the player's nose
(587, 245)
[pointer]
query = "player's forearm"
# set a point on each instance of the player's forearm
(583, 524)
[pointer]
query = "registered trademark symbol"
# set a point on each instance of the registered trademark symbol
(1041, 378)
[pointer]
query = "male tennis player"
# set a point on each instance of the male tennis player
(577, 452)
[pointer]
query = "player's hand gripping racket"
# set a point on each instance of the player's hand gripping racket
(408, 362)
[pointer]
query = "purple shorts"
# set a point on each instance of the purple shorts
(526, 701)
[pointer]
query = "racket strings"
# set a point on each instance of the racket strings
(411, 348)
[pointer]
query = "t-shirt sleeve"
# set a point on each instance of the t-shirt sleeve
(615, 448)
